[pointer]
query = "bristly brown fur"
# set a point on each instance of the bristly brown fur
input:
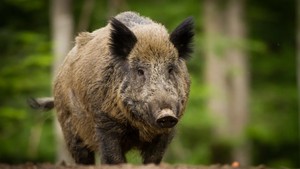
(115, 82)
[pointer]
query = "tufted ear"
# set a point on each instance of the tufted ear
(182, 38)
(122, 39)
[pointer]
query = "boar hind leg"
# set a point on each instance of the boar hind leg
(80, 153)
(153, 152)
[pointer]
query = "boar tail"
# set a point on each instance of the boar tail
(44, 103)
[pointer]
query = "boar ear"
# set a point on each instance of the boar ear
(182, 38)
(122, 39)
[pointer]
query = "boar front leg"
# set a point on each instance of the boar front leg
(110, 133)
(153, 152)
(110, 149)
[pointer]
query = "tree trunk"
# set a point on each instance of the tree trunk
(226, 74)
(216, 80)
(62, 35)
(215, 68)
(239, 85)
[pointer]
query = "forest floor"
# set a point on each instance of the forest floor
(124, 166)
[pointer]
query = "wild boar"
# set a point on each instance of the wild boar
(123, 86)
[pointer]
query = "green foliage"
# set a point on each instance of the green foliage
(274, 120)
(24, 72)
(273, 123)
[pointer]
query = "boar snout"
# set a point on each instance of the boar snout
(166, 119)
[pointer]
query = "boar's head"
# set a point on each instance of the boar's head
(155, 81)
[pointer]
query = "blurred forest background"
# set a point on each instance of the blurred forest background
(243, 104)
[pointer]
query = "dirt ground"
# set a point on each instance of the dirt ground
(124, 166)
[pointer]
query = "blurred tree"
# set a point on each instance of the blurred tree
(238, 76)
(226, 74)
(215, 77)
(62, 36)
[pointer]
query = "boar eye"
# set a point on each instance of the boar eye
(140, 72)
